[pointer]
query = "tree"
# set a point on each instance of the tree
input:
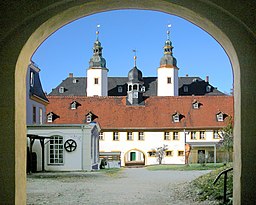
(160, 153)
(227, 139)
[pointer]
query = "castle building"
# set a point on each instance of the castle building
(137, 114)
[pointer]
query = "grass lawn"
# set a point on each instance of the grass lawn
(208, 166)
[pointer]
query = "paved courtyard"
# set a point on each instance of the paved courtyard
(129, 186)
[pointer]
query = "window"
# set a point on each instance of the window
(175, 136)
(34, 114)
(202, 135)
(180, 153)
(88, 118)
(143, 89)
(56, 150)
(32, 79)
(176, 118)
(141, 135)
(169, 80)
(96, 81)
(167, 136)
(75, 80)
(40, 116)
(185, 89)
(151, 153)
(193, 135)
(101, 136)
(115, 136)
(129, 136)
(119, 89)
(220, 117)
(73, 105)
(168, 153)
(208, 88)
(135, 95)
(215, 134)
(61, 89)
(49, 117)
(195, 105)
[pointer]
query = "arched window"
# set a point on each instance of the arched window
(135, 87)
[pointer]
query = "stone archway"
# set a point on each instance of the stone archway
(134, 157)
(25, 25)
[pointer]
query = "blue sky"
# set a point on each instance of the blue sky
(69, 49)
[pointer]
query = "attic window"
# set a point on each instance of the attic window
(49, 117)
(220, 117)
(208, 88)
(73, 105)
(176, 117)
(143, 89)
(194, 80)
(75, 80)
(185, 89)
(89, 118)
(120, 89)
(61, 89)
(195, 105)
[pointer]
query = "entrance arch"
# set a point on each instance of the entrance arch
(134, 157)
(26, 25)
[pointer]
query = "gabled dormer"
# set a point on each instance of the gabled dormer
(196, 104)
(51, 116)
(220, 116)
(74, 105)
(90, 117)
(176, 117)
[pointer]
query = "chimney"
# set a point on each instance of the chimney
(207, 79)
(70, 75)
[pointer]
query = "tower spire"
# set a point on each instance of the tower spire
(134, 57)
(97, 32)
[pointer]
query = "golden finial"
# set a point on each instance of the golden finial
(134, 57)
(97, 31)
(168, 31)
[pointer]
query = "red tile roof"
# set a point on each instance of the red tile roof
(113, 113)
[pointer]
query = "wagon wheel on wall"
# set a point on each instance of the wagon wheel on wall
(70, 145)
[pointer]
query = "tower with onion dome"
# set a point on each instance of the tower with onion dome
(167, 73)
(97, 73)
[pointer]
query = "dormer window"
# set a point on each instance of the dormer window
(208, 88)
(51, 117)
(75, 80)
(61, 89)
(195, 105)
(185, 89)
(143, 89)
(73, 105)
(120, 89)
(220, 117)
(176, 117)
(89, 118)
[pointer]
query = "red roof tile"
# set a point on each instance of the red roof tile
(113, 113)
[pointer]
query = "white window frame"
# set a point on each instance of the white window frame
(73, 105)
(208, 88)
(101, 136)
(32, 78)
(61, 89)
(115, 136)
(167, 136)
(195, 105)
(193, 135)
(129, 136)
(56, 150)
(215, 134)
(141, 136)
(220, 117)
(175, 135)
(49, 117)
(202, 135)
(40, 116)
(89, 118)
(176, 118)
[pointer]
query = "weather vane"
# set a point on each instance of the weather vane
(168, 31)
(97, 31)
(135, 56)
